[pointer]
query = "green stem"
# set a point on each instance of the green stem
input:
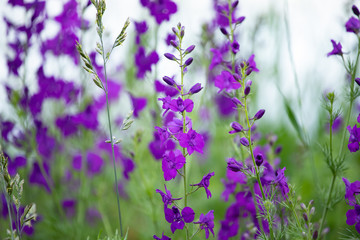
(111, 138)
(9, 210)
(254, 163)
(327, 205)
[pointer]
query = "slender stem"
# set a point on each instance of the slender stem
(327, 204)
(8, 206)
(254, 163)
(352, 85)
(111, 138)
(184, 127)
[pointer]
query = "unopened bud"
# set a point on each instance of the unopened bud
(240, 20)
(312, 210)
(259, 114)
(224, 31)
(259, 159)
(188, 61)
(174, 44)
(169, 81)
(244, 141)
(236, 101)
(170, 56)
(305, 217)
(234, 4)
(237, 127)
(303, 207)
(355, 10)
(315, 235)
(247, 90)
(195, 89)
(189, 49)
(357, 80)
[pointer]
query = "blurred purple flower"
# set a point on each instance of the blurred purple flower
(160, 9)
(353, 25)
(6, 127)
(353, 217)
(207, 223)
(139, 103)
(157, 148)
(45, 143)
(226, 81)
(170, 37)
(141, 28)
(144, 62)
(69, 206)
(337, 49)
(281, 182)
(351, 190)
(36, 176)
(192, 141)
(225, 105)
(66, 125)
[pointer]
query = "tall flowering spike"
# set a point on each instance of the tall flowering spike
(205, 182)
(207, 223)
(192, 141)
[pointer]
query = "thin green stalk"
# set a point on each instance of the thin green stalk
(8, 206)
(254, 163)
(352, 85)
(184, 128)
(111, 138)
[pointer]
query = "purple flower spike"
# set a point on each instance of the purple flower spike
(355, 10)
(259, 159)
(244, 141)
(353, 217)
(234, 165)
(189, 49)
(164, 237)
(337, 49)
(237, 127)
(353, 25)
(259, 114)
(207, 223)
(192, 141)
(196, 88)
(170, 56)
(169, 81)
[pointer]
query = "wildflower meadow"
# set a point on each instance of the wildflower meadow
(167, 119)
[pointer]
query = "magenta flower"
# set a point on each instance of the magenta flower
(192, 141)
(337, 49)
(178, 220)
(226, 81)
(179, 105)
(205, 182)
(354, 138)
(160, 10)
(176, 125)
(207, 223)
(172, 161)
(139, 103)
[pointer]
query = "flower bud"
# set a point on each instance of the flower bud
(174, 44)
(236, 101)
(278, 150)
(244, 141)
(169, 81)
(259, 114)
(259, 159)
(188, 61)
(315, 235)
(224, 31)
(248, 71)
(311, 202)
(248, 83)
(355, 10)
(170, 56)
(182, 31)
(357, 80)
(235, 47)
(247, 90)
(312, 210)
(240, 20)
(195, 89)
(189, 49)
(303, 207)
(174, 30)
(305, 217)
(234, 165)
(234, 4)
(237, 127)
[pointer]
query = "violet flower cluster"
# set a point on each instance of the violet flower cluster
(178, 130)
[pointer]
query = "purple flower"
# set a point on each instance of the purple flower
(353, 25)
(225, 105)
(36, 176)
(160, 9)
(205, 182)
(67, 125)
(69, 207)
(259, 114)
(171, 40)
(14, 164)
(244, 141)
(192, 141)
(216, 59)
(226, 81)
(167, 90)
(166, 197)
(354, 138)
(172, 161)
(281, 182)
(177, 105)
(94, 163)
(144, 62)
(176, 219)
(235, 47)
(351, 190)
(141, 28)
(139, 103)
(176, 125)
(207, 223)
(6, 128)
(234, 165)
(45, 143)
(157, 148)
(164, 237)
(337, 49)
(353, 217)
